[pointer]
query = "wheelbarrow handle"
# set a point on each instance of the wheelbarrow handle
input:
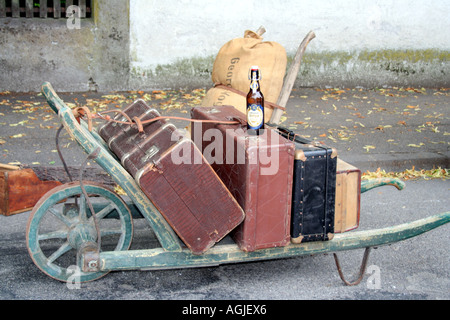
(52, 98)
(374, 183)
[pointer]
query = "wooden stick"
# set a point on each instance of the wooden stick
(261, 31)
(290, 79)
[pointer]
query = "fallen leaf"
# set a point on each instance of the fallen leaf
(17, 136)
(368, 148)
(435, 129)
(118, 189)
(415, 145)
(114, 96)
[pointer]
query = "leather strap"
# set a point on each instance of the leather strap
(266, 103)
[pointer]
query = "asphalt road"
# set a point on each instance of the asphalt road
(415, 269)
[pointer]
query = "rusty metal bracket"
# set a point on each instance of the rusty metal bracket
(362, 269)
(89, 257)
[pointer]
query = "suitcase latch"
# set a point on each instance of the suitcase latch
(150, 153)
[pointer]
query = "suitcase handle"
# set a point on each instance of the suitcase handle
(291, 135)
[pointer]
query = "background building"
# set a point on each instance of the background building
(145, 44)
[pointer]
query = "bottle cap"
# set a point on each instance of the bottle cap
(255, 68)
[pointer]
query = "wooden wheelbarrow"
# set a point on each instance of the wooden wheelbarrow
(84, 229)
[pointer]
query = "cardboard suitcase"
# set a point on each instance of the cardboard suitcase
(348, 197)
(314, 190)
(173, 174)
(257, 170)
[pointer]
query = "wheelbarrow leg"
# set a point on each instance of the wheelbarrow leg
(362, 269)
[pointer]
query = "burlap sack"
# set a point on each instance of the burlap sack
(232, 65)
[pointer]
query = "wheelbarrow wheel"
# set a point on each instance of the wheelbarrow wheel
(62, 222)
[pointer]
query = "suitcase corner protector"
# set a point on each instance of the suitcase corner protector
(334, 153)
(297, 240)
(300, 155)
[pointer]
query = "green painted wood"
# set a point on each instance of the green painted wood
(223, 254)
(165, 234)
(367, 185)
(135, 213)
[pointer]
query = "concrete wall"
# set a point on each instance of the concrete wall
(359, 42)
(96, 55)
(144, 44)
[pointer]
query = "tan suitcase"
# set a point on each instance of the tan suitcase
(348, 197)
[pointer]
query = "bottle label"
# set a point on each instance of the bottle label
(255, 116)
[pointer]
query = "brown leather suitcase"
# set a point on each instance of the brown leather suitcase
(124, 143)
(257, 170)
(112, 130)
(348, 197)
(174, 175)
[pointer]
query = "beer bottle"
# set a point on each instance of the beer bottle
(255, 104)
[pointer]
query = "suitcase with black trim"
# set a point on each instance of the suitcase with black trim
(314, 189)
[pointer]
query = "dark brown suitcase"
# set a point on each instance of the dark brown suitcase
(246, 164)
(112, 130)
(174, 175)
(124, 143)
